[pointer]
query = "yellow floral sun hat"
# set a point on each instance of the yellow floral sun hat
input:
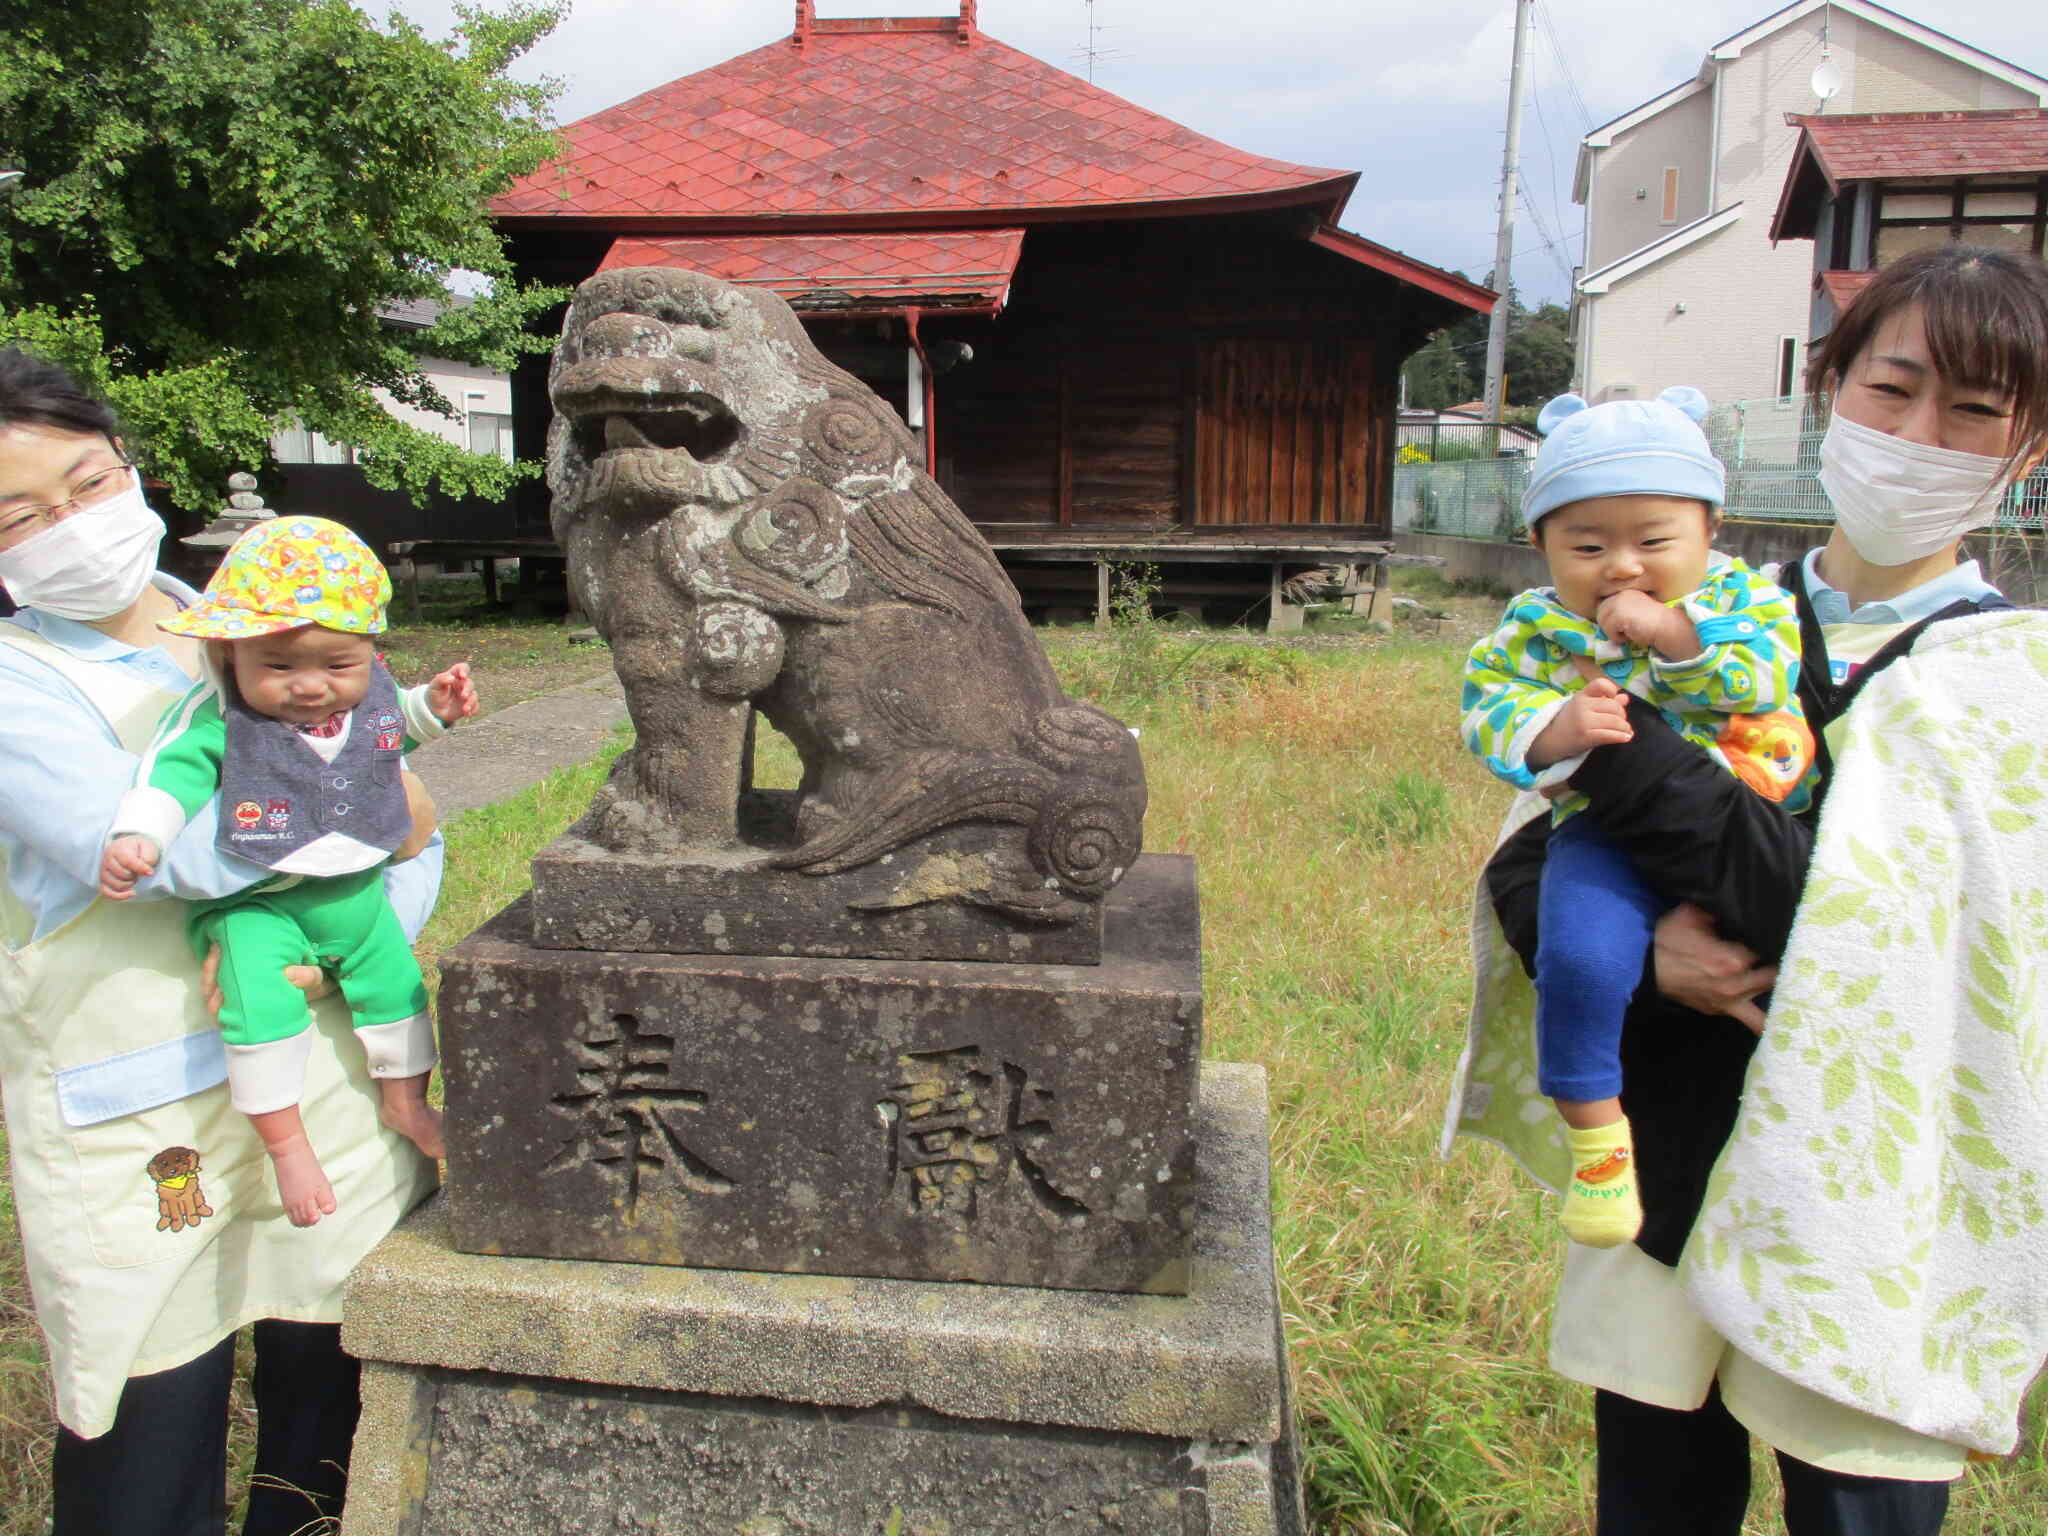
(287, 572)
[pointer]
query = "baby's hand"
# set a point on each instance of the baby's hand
(126, 861)
(451, 695)
(1636, 618)
(1595, 716)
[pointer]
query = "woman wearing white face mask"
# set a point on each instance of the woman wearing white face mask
(1842, 1252)
(149, 1225)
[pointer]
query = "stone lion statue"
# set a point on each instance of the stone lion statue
(749, 528)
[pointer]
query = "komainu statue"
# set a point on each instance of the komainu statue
(749, 528)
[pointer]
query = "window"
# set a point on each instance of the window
(1788, 366)
(1913, 216)
(297, 445)
(1669, 212)
(491, 432)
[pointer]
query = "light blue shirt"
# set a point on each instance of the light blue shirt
(65, 773)
(1831, 604)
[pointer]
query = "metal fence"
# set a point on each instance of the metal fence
(1771, 449)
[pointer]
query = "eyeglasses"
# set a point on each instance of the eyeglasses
(94, 490)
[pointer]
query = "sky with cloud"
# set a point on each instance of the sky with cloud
(1412, 95)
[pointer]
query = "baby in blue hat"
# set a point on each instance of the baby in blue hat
(1624, 502)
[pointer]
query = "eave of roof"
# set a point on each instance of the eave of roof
(868, 123)
(1445, 285)
(848, 274)
(1657, 250)
(1731, 47)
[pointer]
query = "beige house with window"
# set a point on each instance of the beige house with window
(482, 395)
(1681, 283)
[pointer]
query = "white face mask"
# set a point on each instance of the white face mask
(1898, 502)
(92, 565)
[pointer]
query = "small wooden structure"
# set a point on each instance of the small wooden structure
(1120, 340)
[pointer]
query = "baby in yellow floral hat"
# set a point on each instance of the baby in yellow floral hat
(299, 731)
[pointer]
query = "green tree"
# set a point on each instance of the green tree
(1538, 358)
(1439, 375)
(219, 195)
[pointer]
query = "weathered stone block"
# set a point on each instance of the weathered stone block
(527, 1397)
(906, 905)
(1025, 1125)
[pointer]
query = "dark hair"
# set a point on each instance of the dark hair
(1986, 313)
(40, 394)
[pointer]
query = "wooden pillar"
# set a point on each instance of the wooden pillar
(1102, 594)
(1282, 616)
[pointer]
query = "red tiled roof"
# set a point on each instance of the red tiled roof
(871, 119)
(1894, 146)
(1889, 146)
(1843, 287)
(885, 270)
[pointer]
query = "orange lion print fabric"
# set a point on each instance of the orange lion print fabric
(1770, 753)
(180, 1203)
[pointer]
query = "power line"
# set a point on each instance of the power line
(1564, 69)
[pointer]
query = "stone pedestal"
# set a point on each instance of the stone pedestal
(736, 902)
(928, 1120)
(529, 1397)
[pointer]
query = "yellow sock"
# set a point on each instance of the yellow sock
(1601, 1207)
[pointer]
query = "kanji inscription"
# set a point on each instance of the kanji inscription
(627, 1117)
(960, 1123)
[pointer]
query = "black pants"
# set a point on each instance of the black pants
(162, 1469)
(1665, 1472)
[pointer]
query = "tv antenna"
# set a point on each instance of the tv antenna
(1827, 74)
(1092, 52)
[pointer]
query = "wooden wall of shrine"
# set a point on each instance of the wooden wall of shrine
(1212, 376)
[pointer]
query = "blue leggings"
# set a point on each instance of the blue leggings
(1595, 919)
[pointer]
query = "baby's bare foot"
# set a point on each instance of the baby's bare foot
(301, 1184)
(404, 1108)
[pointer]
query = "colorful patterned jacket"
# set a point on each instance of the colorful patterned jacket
(1737, 700)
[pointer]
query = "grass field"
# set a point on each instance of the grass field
(1337, 826)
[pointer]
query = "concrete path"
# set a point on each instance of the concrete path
(486, 760)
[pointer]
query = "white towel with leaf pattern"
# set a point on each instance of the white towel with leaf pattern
(1876, 1229)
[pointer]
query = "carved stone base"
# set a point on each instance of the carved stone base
(1019, 1124)
(736, 903)
(527, 1397)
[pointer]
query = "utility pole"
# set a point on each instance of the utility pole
(1504, 242)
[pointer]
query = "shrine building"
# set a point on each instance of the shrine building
(1117, 339)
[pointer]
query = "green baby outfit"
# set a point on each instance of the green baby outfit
(1737, 700)
(324, 809)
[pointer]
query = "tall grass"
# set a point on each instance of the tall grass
(1337, 827)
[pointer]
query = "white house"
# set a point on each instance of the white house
(482, 395)
(1681, 284)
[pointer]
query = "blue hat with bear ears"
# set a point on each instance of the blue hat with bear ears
(1623, 448)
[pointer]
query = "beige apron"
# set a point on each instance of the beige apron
(149, 1219)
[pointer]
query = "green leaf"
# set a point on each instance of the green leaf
(1812, 1285)
(1965, 1109)
(1787, 1253)
(1897, 1087)
(2009, 822)
(1984, 970)
(1890, 1292)
(1858, 992)
(1838, 1081)
(1836, 909)
(1876, 870)
(1976, 1220)
(1958, 1304)
(1980, 1151)
(1828, 1330)
(1970, 1080)
(1884, 1152)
